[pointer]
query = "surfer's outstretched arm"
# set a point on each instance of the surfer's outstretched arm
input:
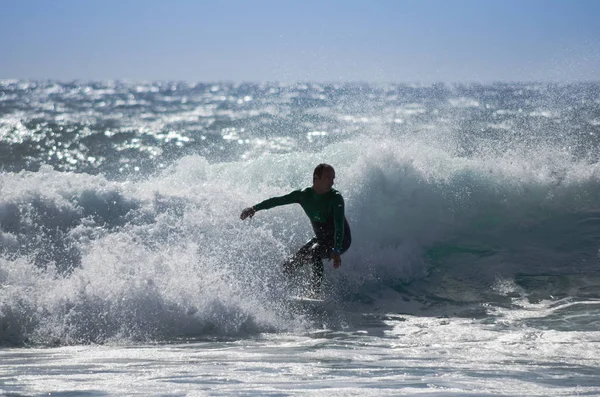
(293, 197)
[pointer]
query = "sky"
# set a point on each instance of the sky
(301, 40)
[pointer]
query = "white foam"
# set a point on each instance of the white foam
(168, 255)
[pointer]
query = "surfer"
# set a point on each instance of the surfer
(324, 206)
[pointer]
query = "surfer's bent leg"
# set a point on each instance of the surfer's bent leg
(320, 251)
(313, 253)
(302, 257)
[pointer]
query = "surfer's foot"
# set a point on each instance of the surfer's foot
(315, 294)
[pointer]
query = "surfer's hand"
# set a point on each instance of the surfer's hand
(337, 260)
(247, 212)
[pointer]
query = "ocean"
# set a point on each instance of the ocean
(125, 269)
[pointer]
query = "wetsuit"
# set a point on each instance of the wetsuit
(326, 214)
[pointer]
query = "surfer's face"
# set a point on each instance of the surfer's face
(325, 182)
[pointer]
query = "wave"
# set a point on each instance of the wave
(86, 259)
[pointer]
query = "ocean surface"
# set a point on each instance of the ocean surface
(126, 271)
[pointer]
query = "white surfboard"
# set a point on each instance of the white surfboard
(307, 300)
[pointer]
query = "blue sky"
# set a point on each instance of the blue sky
(300, 40)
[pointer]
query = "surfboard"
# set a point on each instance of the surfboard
(306, 300)
(316, 309)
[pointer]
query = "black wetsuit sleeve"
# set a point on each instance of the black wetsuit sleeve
(338, 221)
(293, 197)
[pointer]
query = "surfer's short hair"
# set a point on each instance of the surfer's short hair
(318, 172)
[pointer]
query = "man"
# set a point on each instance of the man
(325, 209)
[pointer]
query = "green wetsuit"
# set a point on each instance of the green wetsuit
(326, 214)
(325, 211)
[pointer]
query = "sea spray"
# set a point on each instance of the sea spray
(448, 189)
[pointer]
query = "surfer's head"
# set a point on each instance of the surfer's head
(323, 177)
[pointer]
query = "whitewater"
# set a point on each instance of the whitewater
(125, 269)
